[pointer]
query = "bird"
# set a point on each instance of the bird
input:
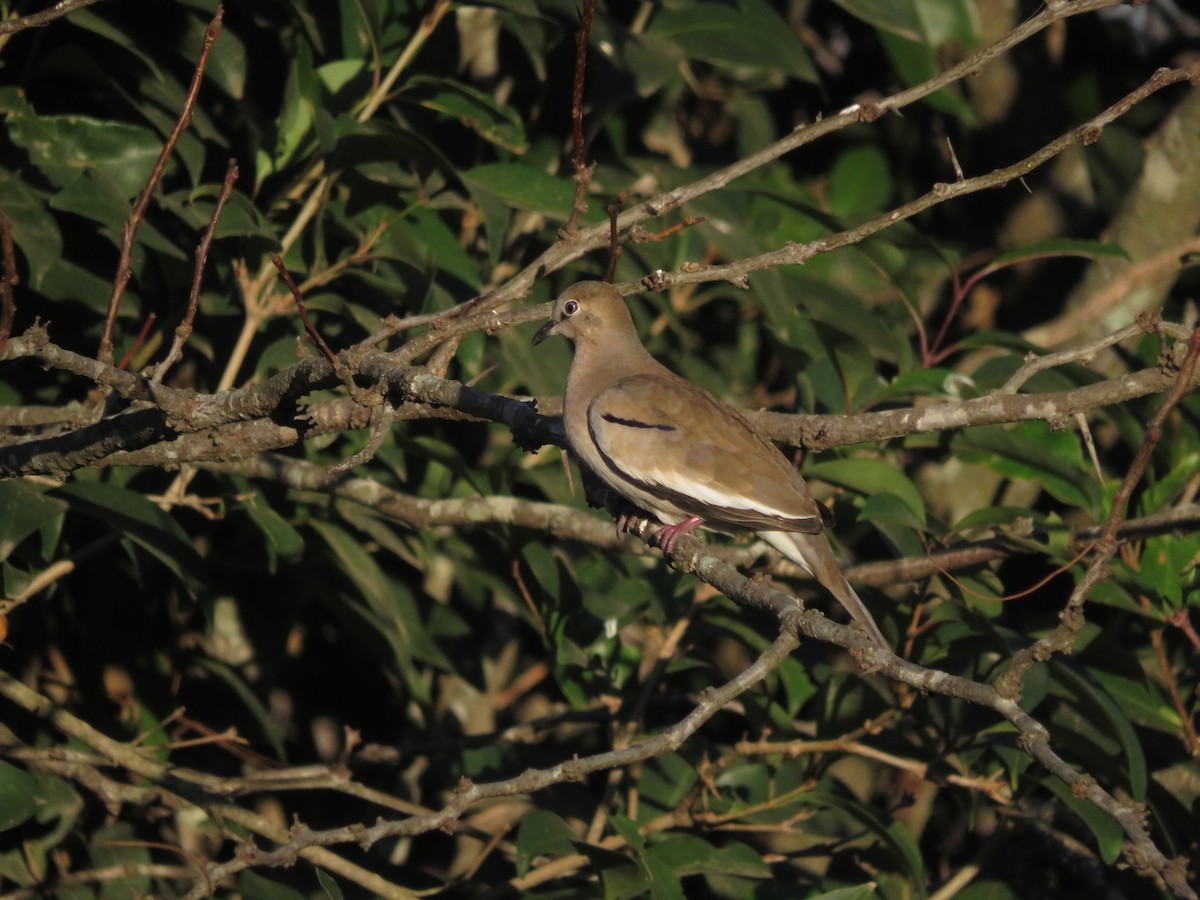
(675, 451)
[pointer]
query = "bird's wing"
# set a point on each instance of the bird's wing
(677, 442)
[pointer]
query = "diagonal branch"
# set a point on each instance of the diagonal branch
(43, 18)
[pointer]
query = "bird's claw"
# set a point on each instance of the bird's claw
(669, 534)
(627, 523)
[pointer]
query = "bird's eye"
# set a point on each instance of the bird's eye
(570, 307)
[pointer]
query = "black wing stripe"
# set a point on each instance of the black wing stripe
(634, 423)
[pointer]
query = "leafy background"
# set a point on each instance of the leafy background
(325, 657)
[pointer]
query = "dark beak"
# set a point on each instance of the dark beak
(544, 332)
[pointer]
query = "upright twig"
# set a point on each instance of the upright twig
(139, 341)
(583, 172)
(184, 330)
(8, 280)
(129, 232)
(615, 248)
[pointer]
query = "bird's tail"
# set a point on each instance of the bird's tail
(812, 553)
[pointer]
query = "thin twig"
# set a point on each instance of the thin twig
(583, 172)
(1191, 741)
(139, 341)
(382, 417)
(129, 232)
(184, 330)
(469, 793)
(1145, 324)
(43, 18)
(615, 248)
(564, 252)
(8, 280)
(1071, 619)
(739, 272)
(310, 331)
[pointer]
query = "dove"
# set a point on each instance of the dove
(676, 452)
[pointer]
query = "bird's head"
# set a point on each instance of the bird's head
(586, 310)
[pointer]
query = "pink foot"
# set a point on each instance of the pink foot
(669, 534)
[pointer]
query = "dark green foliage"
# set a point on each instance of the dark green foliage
(399, 626)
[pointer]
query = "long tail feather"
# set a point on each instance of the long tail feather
(813, 553)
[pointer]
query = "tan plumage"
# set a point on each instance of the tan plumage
(676, 451)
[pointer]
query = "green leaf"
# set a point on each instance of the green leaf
(943, 21)
(661, 878)
(920, 383)
(691, 855)
(332, 889)
(992, 516)
(861, 892)
(1167, 563)
(888, 509)
(18, 796)
(64, 147)
(1035, 452)
(23, 510)
(750, 35)
(281, 536)
(871, 477)
(144, 523)
(894, 835)
(35, 231)
(473, 108)
(542, 833)
(1059, 247)
(896, 16)
(1116, 724)
(116, 847)
(1109, 835)
(255, 887)
(524, 187)
(390, 604)
(666, 780)
(917, 61)
(860, 182)
(798, 684)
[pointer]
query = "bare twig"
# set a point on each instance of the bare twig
(43, 18)
(139, 341)
(187, 412)
(8, 280)
(1158, 267)
(56, 570)
(129, 232)
(469, 793)
(1086, 352)
(796, 254)
(256, 290)
(1071, 619)
(583, 172)
(184, 330)
(159, 772)
(382, 417)
(1191, 741)
(310, 331)
(615, 249)
(595, 236)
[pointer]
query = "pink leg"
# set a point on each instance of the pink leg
(668, 534)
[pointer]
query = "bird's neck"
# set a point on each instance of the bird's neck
(620, 354)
